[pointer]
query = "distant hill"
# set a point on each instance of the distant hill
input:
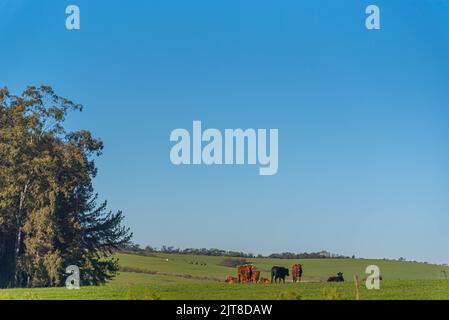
(212, 267)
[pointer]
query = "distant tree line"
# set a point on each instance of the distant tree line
(308, 255)
(148, 250)
(49, 216)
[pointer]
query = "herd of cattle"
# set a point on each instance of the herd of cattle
(249, 274)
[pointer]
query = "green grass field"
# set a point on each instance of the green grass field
(174, 277)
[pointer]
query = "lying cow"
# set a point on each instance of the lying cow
(338, 278)
(278, 274)
(264, 280)
(297, 272)
(231, 280)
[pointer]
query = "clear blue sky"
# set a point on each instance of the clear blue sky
(363, 116)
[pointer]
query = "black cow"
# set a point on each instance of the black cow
(338, 278)
(278, 274)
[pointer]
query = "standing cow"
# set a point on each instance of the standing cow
(255, 276)
(297, 272)
(278, 274)
(245, 273)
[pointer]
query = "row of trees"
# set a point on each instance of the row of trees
(148, 250)
(49, 217)
(135, 248)
(308, 255)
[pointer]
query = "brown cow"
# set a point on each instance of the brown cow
(245, 273)
(255, 276)
(264, 280)
(297, 273)
(231, 280)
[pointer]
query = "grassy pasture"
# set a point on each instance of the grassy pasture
(174, 277)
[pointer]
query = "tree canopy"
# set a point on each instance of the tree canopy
(49, 216)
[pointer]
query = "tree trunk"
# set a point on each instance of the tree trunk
(7, 268)
(19, 233)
